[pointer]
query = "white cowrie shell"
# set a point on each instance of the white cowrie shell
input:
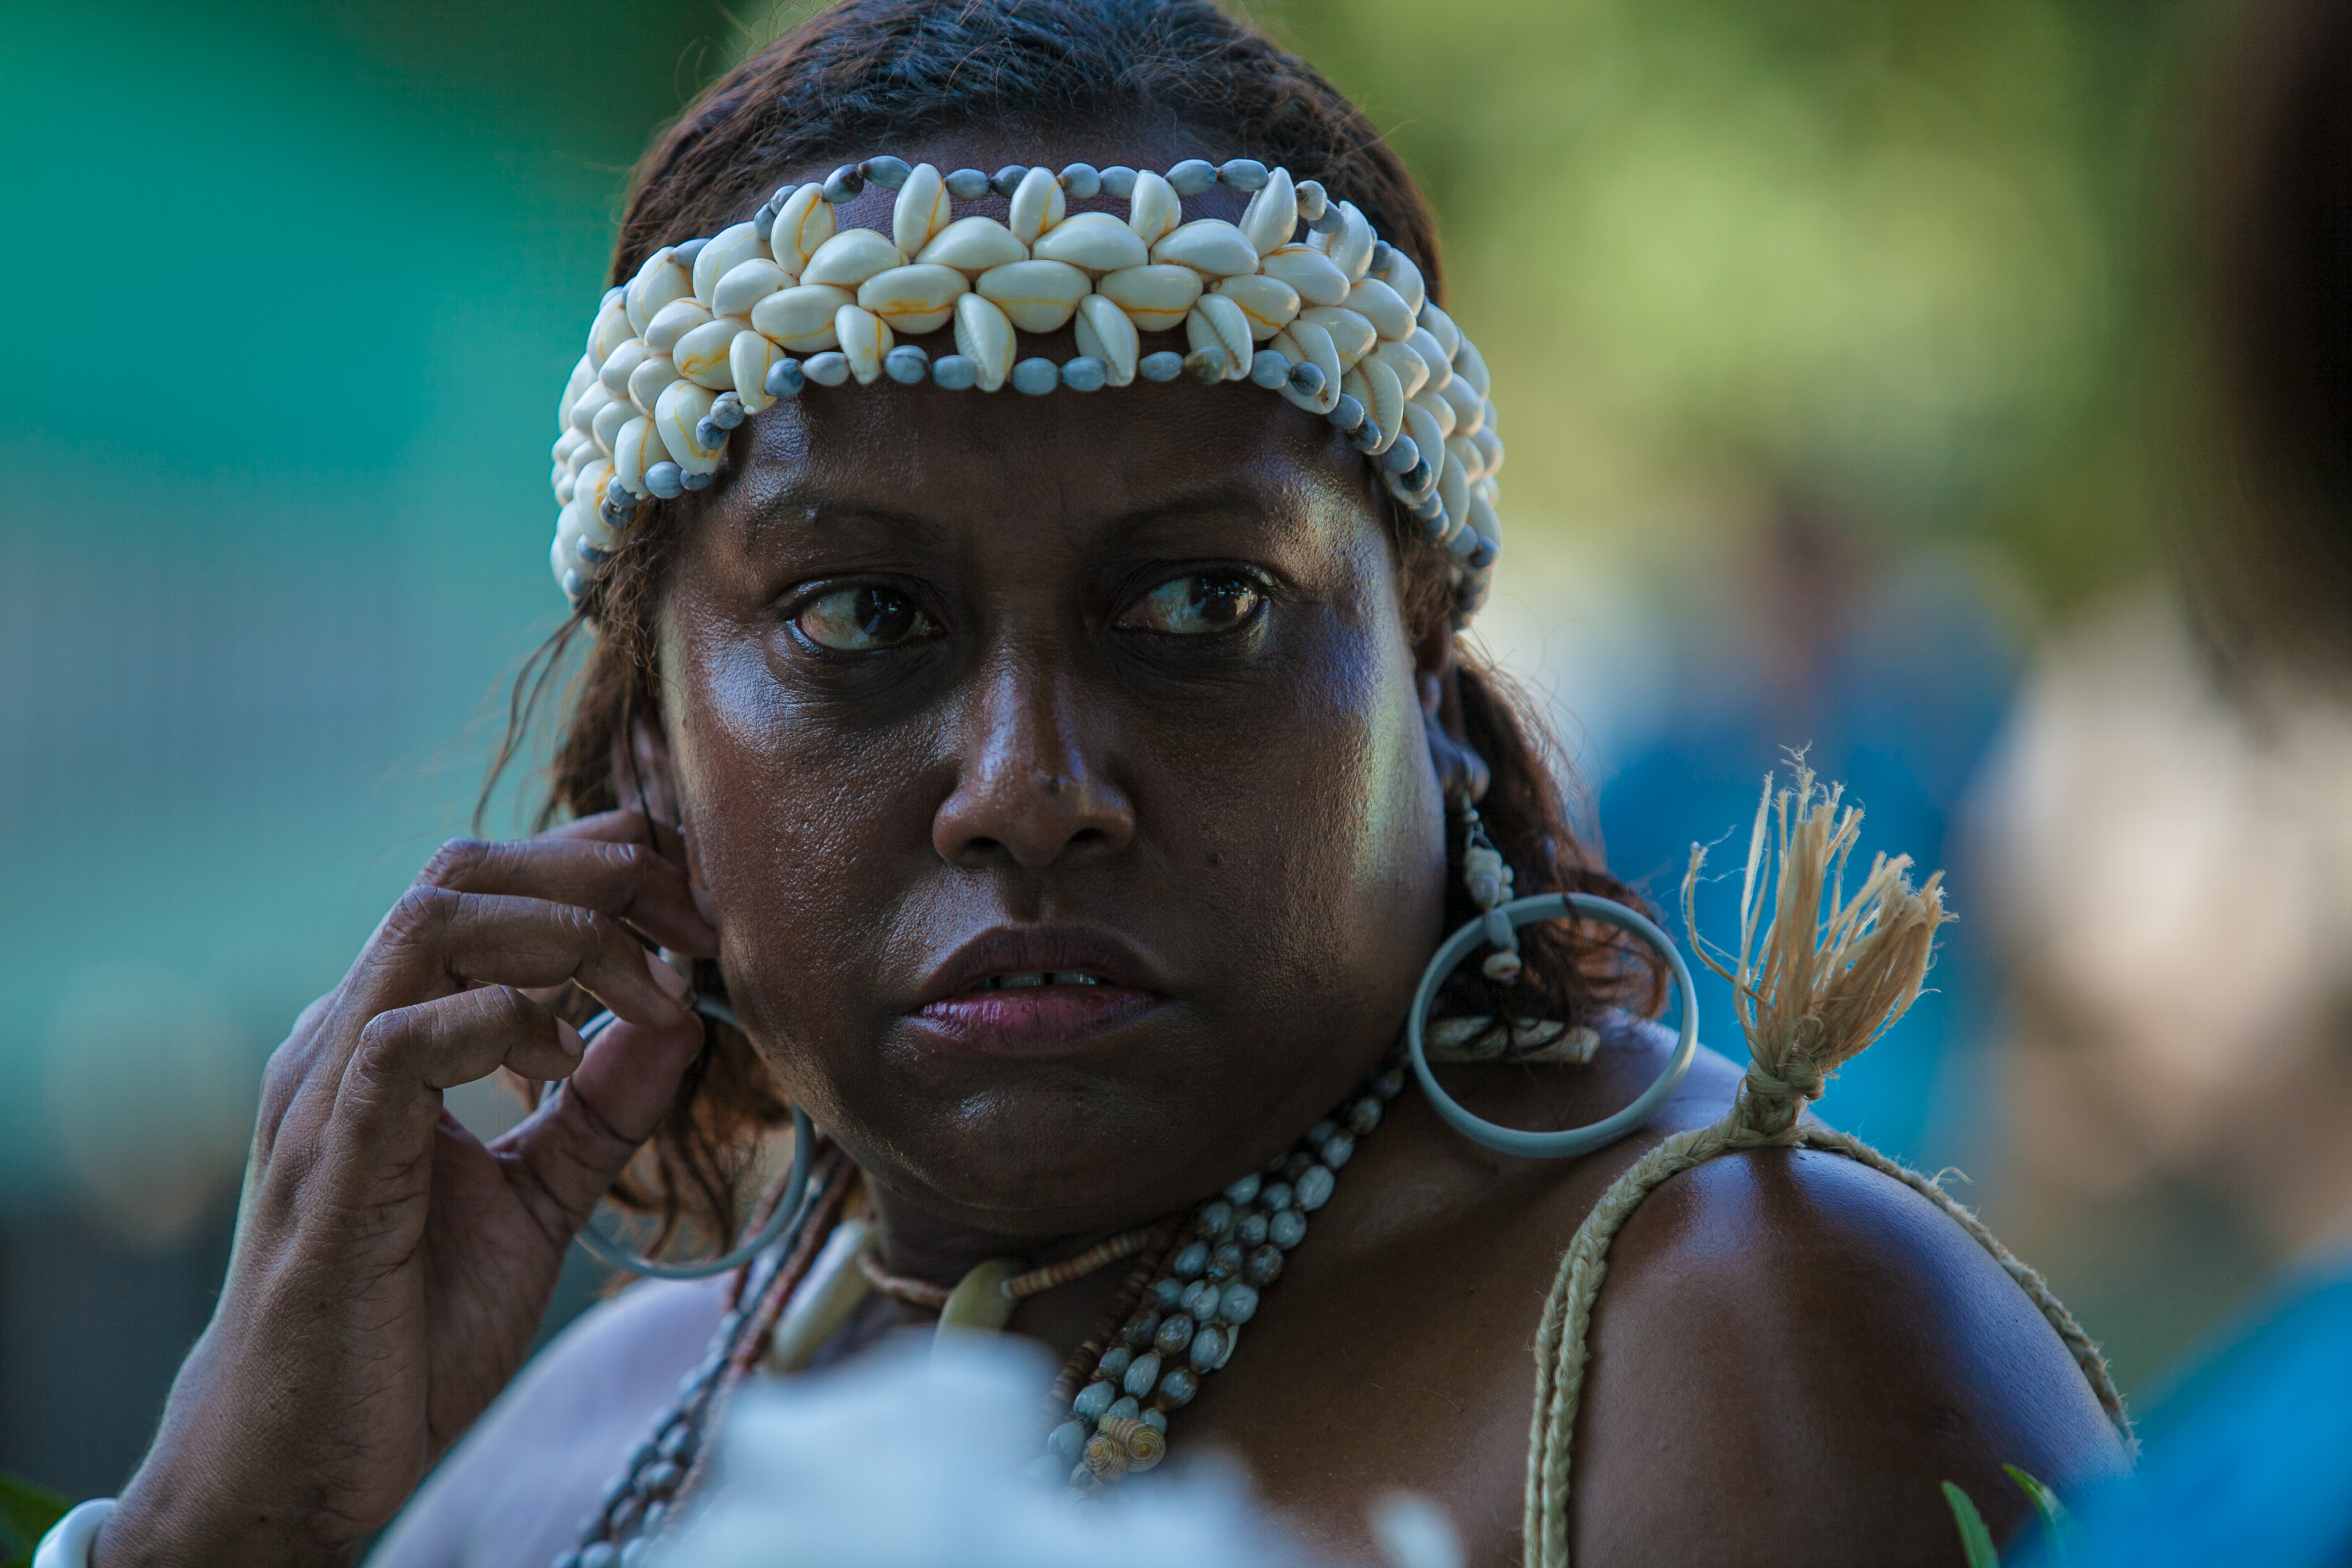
(673, 322)
(1217, 322)
(1441, 363)
(971, 245)
(1469, 408)
(1482, 510)
(1268, 302)
(582, 377)
(1154, 297)
(984, 335)
(1402, 275)
(1272, 214)
(746, 284)
(1375, 386)
(629, 455)
(864, 341)
(703, 355)
(645, 383)
(1454, 490)
(804, 223)
(1309, 271)
(850, 258)
(1440, 409)
(1461, 452)
(565, 445)
(1209, 245)
(1379, 304)
(660, 281)
(920, 211)
(586, 453)
(801, 317)
(1471, 367)
(1154, 210)
(1038, 204)
(1352, 248)
(1303, 340)
(1095, 243)
(610, 331)
(1351, 334)
(583, 407)
(561, 479)
(1412, 374)
(728, 249)
(751, 356)
(1037, 296)
(606, 426)
(1440, 325)
(620, 362)
(1422, 425)
(1106, 333)
(1491, 446)
(917, 298)
(682, 405)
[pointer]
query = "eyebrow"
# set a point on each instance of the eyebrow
(801, 500)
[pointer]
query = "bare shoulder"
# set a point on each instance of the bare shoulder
(515, 1488)
(1808, 1347)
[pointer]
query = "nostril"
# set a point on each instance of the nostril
(1089, 835)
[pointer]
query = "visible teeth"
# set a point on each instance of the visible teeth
(1019, 982)
(1073, 977)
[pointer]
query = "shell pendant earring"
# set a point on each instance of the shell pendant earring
(1490, 882)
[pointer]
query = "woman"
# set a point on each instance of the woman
(1066, 793)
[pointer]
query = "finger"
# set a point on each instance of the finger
(574, 1147)
(630, 826)
(459, 1039)
(627, 880)
(452, 941)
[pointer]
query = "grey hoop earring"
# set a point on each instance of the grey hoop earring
(787, 1211)
(1571, 1140)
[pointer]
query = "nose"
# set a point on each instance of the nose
(1027, 793)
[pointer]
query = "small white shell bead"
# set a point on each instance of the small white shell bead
(1299, 297)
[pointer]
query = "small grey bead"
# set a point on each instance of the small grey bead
(1276, 1197)
(844, 183)
(1081, 180)
(1269, 369)
(1365, 437)
(780, 196)
(1431, 510)
(1245, 1189)
(1201, 1299)
(955, 372)
(1331, 222)
(1363, 1116)
(666, 479)
(907, 365)
(1192, 176)
(1093, 1400)
(1068, 1442)
(1242, 174)
(784, 379)
(967, 184)
(616, 494)
(569, 1560)
(764, 219)
(1036, 376)
(1311, 199)
(589, 555)
(1157, 1419)
(1401, 455)
(1264, 1266)
(1188, 1263)
(1389, 1082)
(1251, 1232)
(635, 1553)
(662, 1478)
(1347, 413)
(1176, 1390)
(1124, 1408)
(1142, 1374)
(616, 1489)
(890, 174)
(1008, 179)
(1169, 1293)
(677, 1440)
(1239, 1304)
(1115, 1363)
(625, 1518)
(1288, 1230)
(1488, 552)
(1315, 1188)
(1298, 1165)
(654, 1517)
(707, 431)
(1207, 364)
(1307, 379)
(1175, 1333)
(1225, 1262)
(1321, 1130)
(1338, 1150)
(726, 411)
(1165, 365)
(1214, 1219)
(695, 481)
(1208, 1350)
(685, 254)
(1084, 373)
(603, 1554)
(1140, 1328)
(1384, 256)
(1118, 182)
(830, 368)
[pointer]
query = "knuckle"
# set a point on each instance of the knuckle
(423, 913)
(455, 860)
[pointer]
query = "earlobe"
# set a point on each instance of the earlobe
(1462, 772)
(644, 782)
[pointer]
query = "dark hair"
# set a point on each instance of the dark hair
(870, 75)
(2277, 569)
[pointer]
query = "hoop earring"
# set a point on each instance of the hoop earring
(1497, 925)
(786, 1216)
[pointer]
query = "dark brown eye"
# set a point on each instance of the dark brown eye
(863, 618)
(1197, 605)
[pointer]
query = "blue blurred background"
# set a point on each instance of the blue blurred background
(1832, 337)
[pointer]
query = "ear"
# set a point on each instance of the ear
(644, 781)
(1437, 673)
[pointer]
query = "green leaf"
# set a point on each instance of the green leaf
(1975, 1539)
(2054, 1517)
(26, 1512)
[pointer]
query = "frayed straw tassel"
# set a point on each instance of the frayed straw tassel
(1813, 985)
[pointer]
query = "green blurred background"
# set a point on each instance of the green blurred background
(1864, 310)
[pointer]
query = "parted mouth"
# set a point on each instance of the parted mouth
(1028, 978)
(1033, 958)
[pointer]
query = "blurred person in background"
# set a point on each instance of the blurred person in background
(1057, 799)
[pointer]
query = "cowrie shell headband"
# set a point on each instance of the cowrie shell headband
(713, 332)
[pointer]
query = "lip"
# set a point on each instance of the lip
(1036, 1021)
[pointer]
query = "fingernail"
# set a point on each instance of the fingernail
(569, 1038)
(672, 982)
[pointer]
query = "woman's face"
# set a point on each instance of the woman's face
(1057, 768)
